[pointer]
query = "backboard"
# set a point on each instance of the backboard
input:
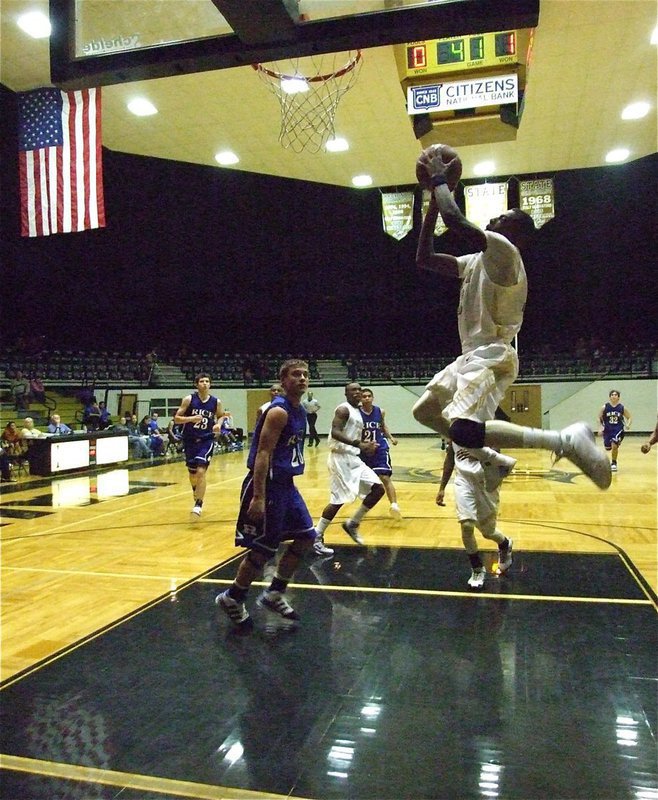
(95, 42)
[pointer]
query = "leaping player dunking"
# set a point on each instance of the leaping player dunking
(199, 414)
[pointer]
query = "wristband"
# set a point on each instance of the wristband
(438, 180)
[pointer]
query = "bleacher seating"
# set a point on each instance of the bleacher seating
(99, 370)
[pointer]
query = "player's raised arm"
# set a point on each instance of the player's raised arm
(439, 169)
(426, 257)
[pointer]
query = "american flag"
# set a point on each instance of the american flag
(60, 161)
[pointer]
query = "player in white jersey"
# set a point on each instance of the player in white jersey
(476, 508)
(350, 476)
(460, 401)
(275, 390)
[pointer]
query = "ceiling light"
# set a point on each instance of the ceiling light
(614, 156)
(361, 180)
(226, 158)
(294, 85)
(635, 110)
(35, 24)
(484, 168)
(141, 107)
(654, 35)
(337, 145)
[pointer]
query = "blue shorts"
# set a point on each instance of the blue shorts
(286, 517)
(198, 452)
(612, 437)
(380, 461)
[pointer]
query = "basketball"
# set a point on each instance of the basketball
(448, 154)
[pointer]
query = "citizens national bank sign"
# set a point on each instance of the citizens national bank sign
(472, 93)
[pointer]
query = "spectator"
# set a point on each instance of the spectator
(91, 416)
(37, 390)
(138, 444)
(12, 441)
(20, 391)
(156, 439)
(105, 420)
(30, 432)
(5, 467)
(175, 436)
(228, 434)
(142, 449)
(57, 427)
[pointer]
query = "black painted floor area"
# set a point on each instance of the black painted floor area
(383, 691)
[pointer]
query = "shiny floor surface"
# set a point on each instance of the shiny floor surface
(397, 683)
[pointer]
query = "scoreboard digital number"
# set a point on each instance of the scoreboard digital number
(462, 53)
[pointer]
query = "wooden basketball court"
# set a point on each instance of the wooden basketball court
(102, 570)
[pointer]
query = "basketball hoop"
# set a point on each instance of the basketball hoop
(308, 90)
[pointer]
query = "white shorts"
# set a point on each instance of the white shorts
(350, 478)
(472, 386)
(473, 501)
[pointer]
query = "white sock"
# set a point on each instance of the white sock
(543, 440)
(322, 525)
(359, 514)
(506, 435)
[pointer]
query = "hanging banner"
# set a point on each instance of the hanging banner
(397, 213)
(537, 199)
(440, 226)
(484, 201)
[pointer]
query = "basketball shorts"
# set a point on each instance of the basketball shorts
(472, 500)
(350, 478)
(472, 386)
(612, 437)
(380, 461)
(198, 452)
(286, 517)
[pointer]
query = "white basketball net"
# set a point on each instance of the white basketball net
(308, 90)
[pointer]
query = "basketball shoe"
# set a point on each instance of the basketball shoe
(577, 444)
(235, 611)
(277, 603)
(505, 558)
(352, 530)
(320, 548)
(476, 581)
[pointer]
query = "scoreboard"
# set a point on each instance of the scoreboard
(464, 53)
(466, 89)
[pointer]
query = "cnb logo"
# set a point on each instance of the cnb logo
(426, 96)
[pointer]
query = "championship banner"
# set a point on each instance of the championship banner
(538, 200)
(440, 226)
(484, 201)
(397, 213)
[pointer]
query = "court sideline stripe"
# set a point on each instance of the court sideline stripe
(446, 593)
(129, 780)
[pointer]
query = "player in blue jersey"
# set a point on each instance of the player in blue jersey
(614, 419)
(199, 414)
(375, 429)
(271, 508)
